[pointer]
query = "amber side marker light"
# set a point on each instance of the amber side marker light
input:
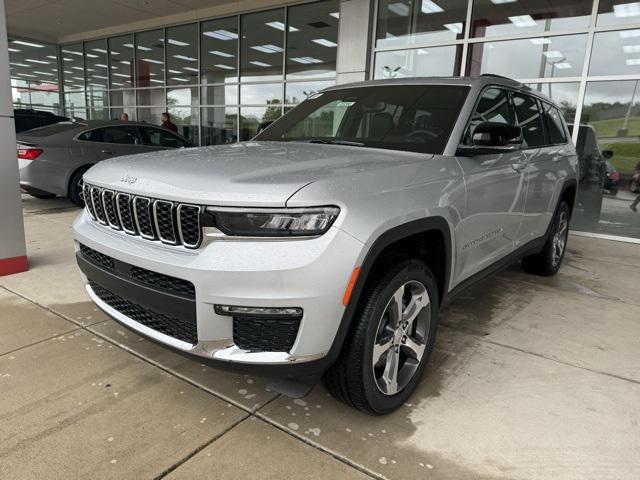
(352, 283)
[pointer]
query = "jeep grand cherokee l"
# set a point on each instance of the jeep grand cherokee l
(327, 244)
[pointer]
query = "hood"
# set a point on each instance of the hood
(244, 174)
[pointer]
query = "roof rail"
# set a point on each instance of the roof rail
(495, 75)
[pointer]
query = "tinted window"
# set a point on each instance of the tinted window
(555, 126)
(159, 137)
(414, 118)
(493, 106)
(529, 118)
(121, 135)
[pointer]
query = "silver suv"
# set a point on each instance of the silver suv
(326, 246)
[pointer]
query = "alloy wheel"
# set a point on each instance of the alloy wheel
(560, 238)
(401, 337)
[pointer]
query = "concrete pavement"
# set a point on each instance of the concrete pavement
(532, 378)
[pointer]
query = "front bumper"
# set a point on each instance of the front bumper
(311, 274)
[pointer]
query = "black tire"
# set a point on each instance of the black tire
(548, 261)
(352, 379)
(74, 192)
(43, 195)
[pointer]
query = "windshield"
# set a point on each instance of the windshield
(416, 118)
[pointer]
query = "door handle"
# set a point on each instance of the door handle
(108, 152)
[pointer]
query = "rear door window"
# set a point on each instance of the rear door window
(121, 135)
(529, 119)
(159, 137)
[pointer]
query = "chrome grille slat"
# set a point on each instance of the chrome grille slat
(108, 202)
(98, 209)
(169, 222)
(142, 215)
(164, 217)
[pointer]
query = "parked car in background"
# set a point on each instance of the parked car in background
(29, 119)
(53, 159)
(611, 179)
(593, 174)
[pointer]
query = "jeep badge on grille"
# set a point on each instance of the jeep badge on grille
(129, 179)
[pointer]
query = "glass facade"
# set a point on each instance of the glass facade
(219, 79)
(585, 56)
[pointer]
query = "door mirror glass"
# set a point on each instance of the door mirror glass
(492, 134)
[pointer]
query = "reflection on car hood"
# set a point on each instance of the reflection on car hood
(257, 174)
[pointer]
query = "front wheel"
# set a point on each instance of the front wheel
(74, 193)
(548, 261)
(393, 334)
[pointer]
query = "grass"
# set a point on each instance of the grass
(625, 156)
(609, 128)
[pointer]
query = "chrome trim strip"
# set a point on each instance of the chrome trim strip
(88, 202)
(95, 209)
(124, 228)
(104, 205)
(155, 219)
(135, 216)
(179, 222)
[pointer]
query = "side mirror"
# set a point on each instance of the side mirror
(607, 154)
(492, 134)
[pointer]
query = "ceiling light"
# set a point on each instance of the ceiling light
(13, 50)
(144, 49)
(128, 45)
(100, 65)
(99, 50)
(19, 64)
(156, 81)
(221, 35)
(335, 14)
(43, 73)
(26, 75)
(400, 9)
(325, 43)
(78, 78)
(77, 68)
(220, 54)
(553, 54)
(191, 69)
(267, 48)
(178, 79)
(631, 48)
(224, 67)
(174, 71)
(120, 75)
(52, 57)
(454, 27)
(563, 65)
(430, 7)
(113, 52)
(306, 60)
(41, 62)
(91, 55)
(117, 84)
(126, 62)
(521, 21)
(500, 2)
(280, 26)
(540, 41)
(27, 44)
(632, 61)
(422, 51)
(100, 77)
(185, 58)
(260, 64)
(72, 52)
(627, 10)
(151, 60)
(177, 43)
(629, 33)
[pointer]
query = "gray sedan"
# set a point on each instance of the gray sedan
(53, 159)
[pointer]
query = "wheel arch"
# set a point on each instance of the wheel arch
(425, 228)
(83, 167)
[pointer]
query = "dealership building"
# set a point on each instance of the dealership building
(221, 68)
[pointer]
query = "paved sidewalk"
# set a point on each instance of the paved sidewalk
(532, 378)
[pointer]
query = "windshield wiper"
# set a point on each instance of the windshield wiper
(336, 142)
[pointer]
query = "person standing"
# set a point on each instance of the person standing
(167, 123)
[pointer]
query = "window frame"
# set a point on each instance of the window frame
(563, 122)
(95, 129)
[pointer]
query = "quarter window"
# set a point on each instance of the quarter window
(529, 119)
(555, 125)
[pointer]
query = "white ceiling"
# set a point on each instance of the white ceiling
(69, 20)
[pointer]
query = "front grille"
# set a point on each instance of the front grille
(265, 334)
(97, 258)
(152, 219)
(181, 329)
(142, 276)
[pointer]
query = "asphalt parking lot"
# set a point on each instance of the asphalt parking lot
(531, 379)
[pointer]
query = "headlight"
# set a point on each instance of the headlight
(285, 222)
